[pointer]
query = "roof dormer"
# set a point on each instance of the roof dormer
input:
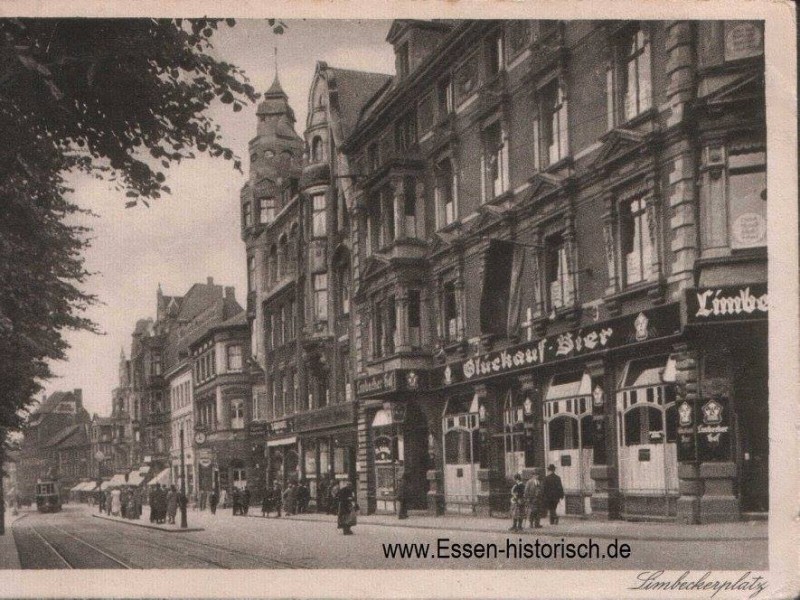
(413, 41)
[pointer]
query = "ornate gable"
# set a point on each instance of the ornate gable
(544, 184)
(618, 143)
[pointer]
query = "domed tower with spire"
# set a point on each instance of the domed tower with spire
(276, 156)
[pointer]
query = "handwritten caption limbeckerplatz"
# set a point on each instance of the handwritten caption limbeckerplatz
(688, 581)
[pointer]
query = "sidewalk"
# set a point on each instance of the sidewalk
(144, 521)
(9, 559)
(567, 527)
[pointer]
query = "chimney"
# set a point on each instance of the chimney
(230, 293)
(210, 281)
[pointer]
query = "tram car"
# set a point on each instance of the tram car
(48, 498)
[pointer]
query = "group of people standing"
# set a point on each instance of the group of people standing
(125, 503)
(164, 504)
(293, 500)
(240, 500)
(538, 496)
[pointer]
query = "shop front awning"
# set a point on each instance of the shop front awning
(116, 481)
(78, 487)
(89, 486)
(135, 478)
(648, 372)
(569, 385)
(161, 479)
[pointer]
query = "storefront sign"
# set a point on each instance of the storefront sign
(330, 416)
(631, 329)
(713, 433)
(743, 39)
(410, 380)
(258, 428)
(727, 303)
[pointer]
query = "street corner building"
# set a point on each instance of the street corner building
(538, 242)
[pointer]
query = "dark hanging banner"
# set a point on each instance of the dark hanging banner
(727, 303)
(647, 325)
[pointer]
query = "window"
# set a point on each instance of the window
(284, 256)
(344, 289)
(405, 132)
(251, 273)
(414, 318)
(317, 150)
(266, 210)
(494, 162)
(374, 225)
(291, 392)
(273, 264)
(637, 249)
(237, 414)
(553, 130)
(234, 357)
(155, 363)
(747, 199)
(247, 216)
(513, 436)
(558, 281)
(207, 413)
(409, 207)
(450, 311)
(403, 60)
(628, 81)
(446, 193)
(385, 320)
(495, 50)
(373, 159)
(321, 296)
(319, 226)
(444, 94)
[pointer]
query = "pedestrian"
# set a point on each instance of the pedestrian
(213, 499)
(334, 493)
(223, 498)
(277, 497)
(553, 493)
(183, 502)
(303, 497)
(517, 503)
(402, 496)
(245, 500)
(533, 500)
(137, 503)
(266, 502)
(108, 502)
(172, 504)
(237, 501)
(323, 493)
(346, 514)
(124, 504)
(101, 501)
(116, 502)
(290, 499)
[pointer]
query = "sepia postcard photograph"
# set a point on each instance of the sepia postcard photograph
(400, 300)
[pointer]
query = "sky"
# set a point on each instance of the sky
(194, 233)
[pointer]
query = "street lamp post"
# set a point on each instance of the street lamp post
(183, 486)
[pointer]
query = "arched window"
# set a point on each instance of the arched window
(343, 285)
(317, 149)
(562, 433)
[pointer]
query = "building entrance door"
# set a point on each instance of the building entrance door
(461, 455)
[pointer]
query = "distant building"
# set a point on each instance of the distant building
(52, 443)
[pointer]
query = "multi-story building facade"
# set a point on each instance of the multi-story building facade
(546, 214)
(102, 453)
(181, 394)
(56, 418)
(223, 400)
(299, 266)
(126, 447)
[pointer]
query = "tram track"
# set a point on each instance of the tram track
(65, 556)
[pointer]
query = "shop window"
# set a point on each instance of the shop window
(234, 357)
(237, 414)
(414, 318)
(559, 288)
(513, 436)
(461, 447)
(446, 193)
(319, 226)
(551, 128)
(341, 460)
(266, 210)
(628, 79)
(636, 242)
(321, 296)
(247, 215)
(644, 425)
(494, 173)
(450, 311)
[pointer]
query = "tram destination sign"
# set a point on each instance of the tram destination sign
(727, 303)
(647, 325)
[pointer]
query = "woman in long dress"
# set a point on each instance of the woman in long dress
(172, 504)
(346, 515)
(116, 502)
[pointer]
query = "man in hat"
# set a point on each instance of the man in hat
(553, 493)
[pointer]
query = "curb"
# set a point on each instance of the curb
(147, 526)
(555, 534)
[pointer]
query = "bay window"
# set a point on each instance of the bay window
(266, 210)
(319, 225)
(321, 296)
(234, 357)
